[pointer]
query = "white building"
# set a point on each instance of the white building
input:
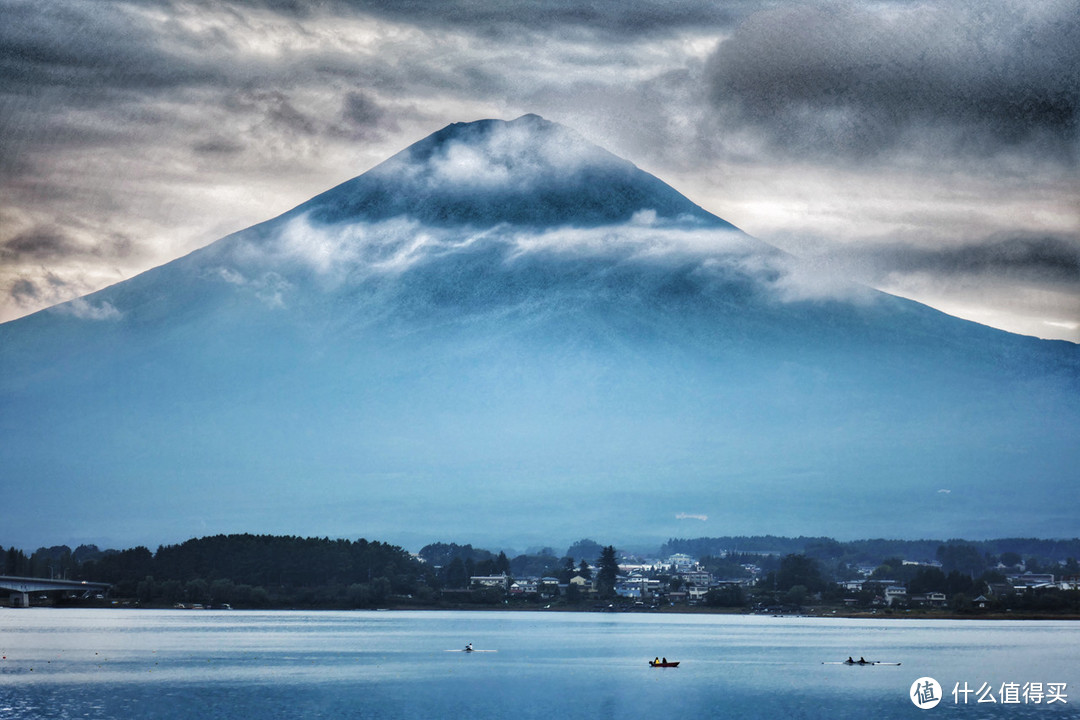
(494, 581)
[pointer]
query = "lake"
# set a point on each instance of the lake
(181, 664)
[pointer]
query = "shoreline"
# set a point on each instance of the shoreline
(818, 611)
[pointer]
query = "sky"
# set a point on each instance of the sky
(927, 149)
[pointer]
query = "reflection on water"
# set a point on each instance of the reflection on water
(176, 665)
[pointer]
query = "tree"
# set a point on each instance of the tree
(16, 563)
(797, 595)
(197, 591)
(726, 596)
(146, 589)
(567, 571)
(172, 591)
(456, 574)
(961, 557)
(585, 548)
(960, 602)
(927, 580)
(608, 572)
(799, 570)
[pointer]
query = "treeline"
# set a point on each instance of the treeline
(964, 579)
(253, 571)
(862, 552)
(256, 571)
(241, 570)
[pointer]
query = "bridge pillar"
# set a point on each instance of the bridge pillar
(20, 599)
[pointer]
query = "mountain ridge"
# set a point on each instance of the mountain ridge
(370, 366)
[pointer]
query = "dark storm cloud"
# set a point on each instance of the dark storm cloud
(276, 108)
(973, 78)
(630, 18)
(24, 290)
(364, 118)
(41, 243)
(44, 243)
(217, 147)
(88, 48)
(27, 291)
(160, 116)
(1050, 259)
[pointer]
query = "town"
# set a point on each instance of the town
(751, 575)
(788, 584)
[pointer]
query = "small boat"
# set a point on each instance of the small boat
(860, 662)
(664, 663)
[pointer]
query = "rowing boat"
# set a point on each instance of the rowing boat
(855, 662)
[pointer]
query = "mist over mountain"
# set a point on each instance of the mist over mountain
(505, 334)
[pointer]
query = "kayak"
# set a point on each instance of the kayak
(653, 663)
(857, 662)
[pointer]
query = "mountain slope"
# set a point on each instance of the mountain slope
(506, 334)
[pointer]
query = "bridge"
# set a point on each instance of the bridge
(21, 587)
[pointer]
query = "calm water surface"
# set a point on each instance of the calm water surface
(177, 665)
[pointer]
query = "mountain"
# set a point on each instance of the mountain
(507, 335)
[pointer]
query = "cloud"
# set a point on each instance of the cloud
(1032, 277)
(23, 290)
(848, 79)
(1040, 259)
(691, 516)
(49, 242)
(354, 250)
(269, 287)
(498, 19)
(86, 310)
(513, 155)
(183, 122)
(397, 244)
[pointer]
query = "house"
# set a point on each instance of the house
(696, 593)
(525, 586)
(1030, 580)
(582, 583)
(548, 587)
(895, 593)
(680, 562)
(697, 577)
(930, 599)
(637, 586)
(501, 582)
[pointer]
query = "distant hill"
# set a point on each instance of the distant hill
(870, 550)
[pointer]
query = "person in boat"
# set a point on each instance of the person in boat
(468, 647)
(656, 661)
(850, 661)
(664, 661)
(862, 661)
